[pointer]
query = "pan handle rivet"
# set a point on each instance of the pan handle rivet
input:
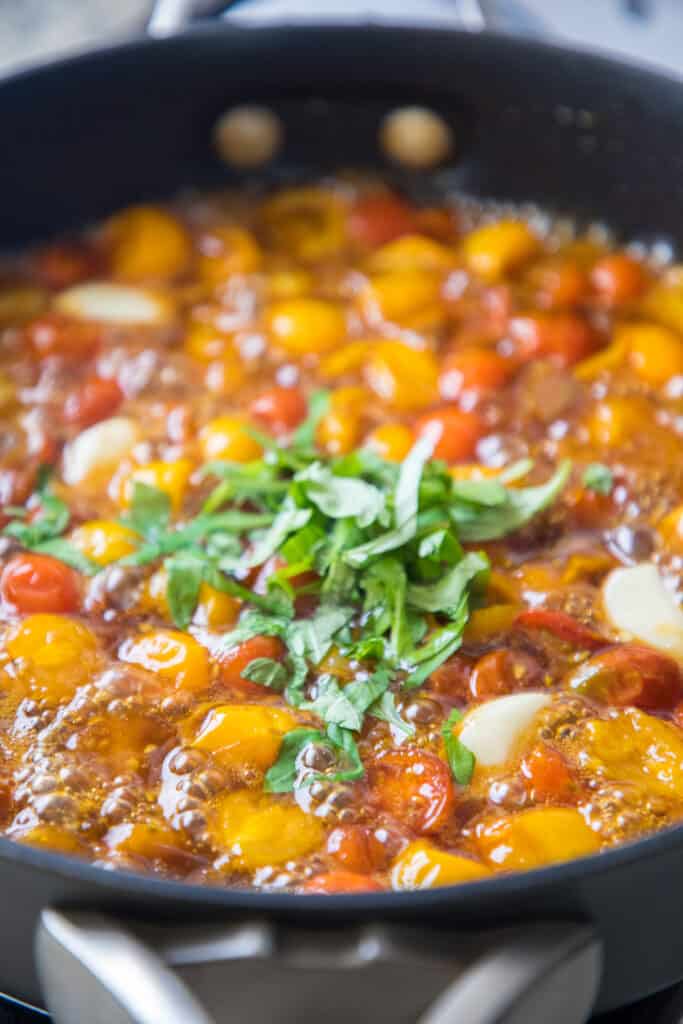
(248, 136)
(416, 137)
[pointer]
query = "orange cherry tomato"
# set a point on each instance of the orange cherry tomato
(279, 409)
(57, 335)
(341, 881)
(39, 583)
(564, 338)
(618, 278)
(96, 399)
(504, 671)
(558, 283)
(473, 369)
(236, 659)
(563, 626)
(378, 219)
(546, 774)
(458, 433)
(414, 786)
(630, 675)
(357, 849)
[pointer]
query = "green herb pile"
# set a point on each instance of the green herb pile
(377, 545)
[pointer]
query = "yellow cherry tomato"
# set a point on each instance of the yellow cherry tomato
(291, 283)
(226, 375)
(405, 378)
(241, 734)
(308, 223)
(424, 866)
(339, 430)
(617, 419)
(104, 540)
(224, 251)
(400, 296)
(54, 655)
(256, 829)
(347, 359)
(147, 242)
(50, 837)
(670, 528)
(411, 252)
(392, 441)
(170, 477)
(152, 841)
(485, 623)
(654, 352)
(664, 302)
(534, 838)
(495, 249)
(173, 656)
(306, 326)
(228, 437)
(204, 343)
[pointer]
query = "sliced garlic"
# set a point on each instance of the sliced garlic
(114, 303)
(99, 448)
(639, 605)
(493, 730)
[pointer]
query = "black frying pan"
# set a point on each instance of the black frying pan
(576, 134)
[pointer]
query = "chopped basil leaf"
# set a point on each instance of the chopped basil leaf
(439, 646)
(386, 710)
(282, 776)
(446, 594)
(67, 553)
(460, 758)
(598, 477)
(150, 510)
(185, 571)
(288, 520)
(477, 521)
(341, 497)
(267, 672)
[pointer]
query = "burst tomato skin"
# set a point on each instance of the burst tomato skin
(279, 409)
(414, 786)
(457, 433)
(629, 674)
(97, 399)
(35, 583)
(357, 849)
(561, 625)
(341, 882)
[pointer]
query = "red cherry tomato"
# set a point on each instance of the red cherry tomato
(39, 583)
(378, 219)
(95, 400)
(357, 849)
(280, 409)
(618, 278)
(505, 671)
(564, 338)
(473, 369)
(546, 775)
(630, 675)
(236, 659)
(452, 677)
(458, 433)
(67, 263)
(563, 626)
(341, 881)
(57, 335)
(414, 786)
(558, 283)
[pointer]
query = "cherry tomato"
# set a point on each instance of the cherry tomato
(237, 658)
(458, 433)
(630, 675)
(357, 849)
(546, 774)
(95, 400)
(62, 265)
(57, 335)
(564, 338)
(618, 278)
(563, 626)
(558, 283)
(505, 671)
(280, 409)
(452, 677)
(39, 583)
(414, 786)
(341, 881)
(378, 219)
(473, 369)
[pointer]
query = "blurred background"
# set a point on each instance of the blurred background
(650, 31)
